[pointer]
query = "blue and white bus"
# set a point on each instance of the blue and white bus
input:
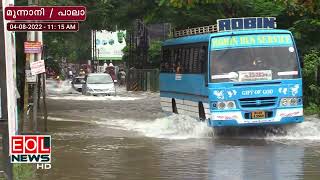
(243, 73)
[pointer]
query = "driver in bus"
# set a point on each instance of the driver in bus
(259, 64)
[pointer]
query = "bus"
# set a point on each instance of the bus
(240, 72)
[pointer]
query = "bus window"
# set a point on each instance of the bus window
(183, 58)
(191, 60)
(186, 61)
(204, 63)
(204, 59)
(196, 61)
(172, 51)
(177, 59)
(165, 59)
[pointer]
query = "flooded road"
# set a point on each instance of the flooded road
(128, 137)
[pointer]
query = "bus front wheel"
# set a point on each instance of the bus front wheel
(174, 106)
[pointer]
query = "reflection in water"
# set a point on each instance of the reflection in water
(249, 161)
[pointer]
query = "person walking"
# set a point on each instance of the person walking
(122, 74)
(70, 73)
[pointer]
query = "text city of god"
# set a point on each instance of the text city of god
(257, 92)
(250, 40)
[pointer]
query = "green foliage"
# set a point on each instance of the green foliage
(154, 53)
(311, 88)
(23, 172)
(125, 56)
(267, 7)
(311, 109)
(307, 33)
(184, 3)
(74, 47)
(303, 19)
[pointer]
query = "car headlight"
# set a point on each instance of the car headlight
(290, 101)
(225, 105)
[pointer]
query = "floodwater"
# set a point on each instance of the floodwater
(128, 137)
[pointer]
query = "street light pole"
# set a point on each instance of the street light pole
(94, 57)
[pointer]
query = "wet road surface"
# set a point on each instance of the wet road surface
(128, 137)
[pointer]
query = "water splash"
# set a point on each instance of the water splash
(94, 98)
(307, 130)
(54, 87)
(185, 127)
(170, 127)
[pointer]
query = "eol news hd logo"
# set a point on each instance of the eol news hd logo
(31, 149)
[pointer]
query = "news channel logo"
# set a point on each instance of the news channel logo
(31, 149)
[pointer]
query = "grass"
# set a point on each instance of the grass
(312, 109)
(24, 172)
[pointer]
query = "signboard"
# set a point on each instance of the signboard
(258, 40)
(110, 44)
(246, 23)
(45, 13)
(37, 67)
(29, 77)
(32, 47)
(255, 75)
(31, 149)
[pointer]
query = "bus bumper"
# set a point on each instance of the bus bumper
(283, 116)
(225, 123)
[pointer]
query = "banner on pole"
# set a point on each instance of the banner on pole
(32, 47)
(37, 67)
(29, 77)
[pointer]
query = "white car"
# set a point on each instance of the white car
(98, 84)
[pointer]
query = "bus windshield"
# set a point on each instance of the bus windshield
(252, 64)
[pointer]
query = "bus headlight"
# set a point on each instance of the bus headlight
(221, 105)
(284, 102)
(290, 101)
(294, 101)
(231, 105)
(226, 105)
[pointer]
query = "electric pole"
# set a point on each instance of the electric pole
(30, 58)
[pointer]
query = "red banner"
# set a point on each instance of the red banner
(45, 13)
(32, 47)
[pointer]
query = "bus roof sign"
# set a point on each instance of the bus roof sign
(246, 23)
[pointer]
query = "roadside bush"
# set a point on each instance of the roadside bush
(23, 172)
(311, 86)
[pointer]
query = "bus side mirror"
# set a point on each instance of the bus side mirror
(206, 80)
